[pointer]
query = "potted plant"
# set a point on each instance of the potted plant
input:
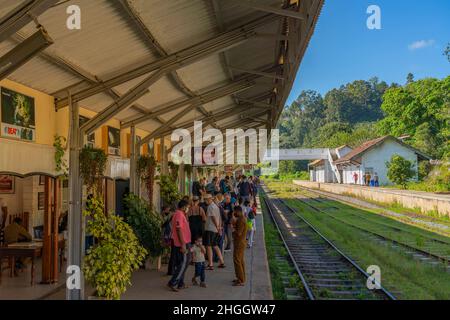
(146, 168)
(92, 168)
(146, 224)
(109, 264)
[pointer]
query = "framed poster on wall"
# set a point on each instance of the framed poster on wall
(7, 184)
(18, 119)
(113, 141)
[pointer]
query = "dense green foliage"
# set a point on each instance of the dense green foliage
(109, 264)
(419, 109)
(169, 191)
(146, 224)
(364, 110)
(343, 116)
(400, 170)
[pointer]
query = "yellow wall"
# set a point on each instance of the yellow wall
(49, 122)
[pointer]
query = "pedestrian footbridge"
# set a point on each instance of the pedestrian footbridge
(296, 154)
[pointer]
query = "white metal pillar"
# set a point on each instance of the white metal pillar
(75, 226)
(133, 159)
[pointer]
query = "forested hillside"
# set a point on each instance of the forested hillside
(363, 110)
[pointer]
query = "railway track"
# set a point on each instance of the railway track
(324, 270)
(435, 250)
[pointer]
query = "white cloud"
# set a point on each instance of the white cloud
(420, 44)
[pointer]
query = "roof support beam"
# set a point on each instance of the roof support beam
(178, 59)
(282, 12)
(77, 71)
(260, 73)
(23, 52)
(21, 15)
(209, 96)
(225, 114)
(156, 46)
(207, 120)
(122, 103)
(257, 103)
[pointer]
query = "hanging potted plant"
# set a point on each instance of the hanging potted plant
(92, 168)
(109, 264)
(146, 168)
(173, 168)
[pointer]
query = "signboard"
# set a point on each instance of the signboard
(113, 141)
(17, 115)
(6, 184)
(90, 141)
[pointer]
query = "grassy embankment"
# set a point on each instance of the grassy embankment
(406, 277)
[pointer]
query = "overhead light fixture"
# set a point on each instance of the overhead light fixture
(23, 52)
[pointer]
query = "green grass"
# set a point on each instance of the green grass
(406, 277)
(274, 245)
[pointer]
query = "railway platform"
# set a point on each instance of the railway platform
(151, 284)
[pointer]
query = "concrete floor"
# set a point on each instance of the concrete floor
(151, 284)
(19, 288)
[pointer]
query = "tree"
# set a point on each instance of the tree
(400, 170)
(419, 109)
(409, 78)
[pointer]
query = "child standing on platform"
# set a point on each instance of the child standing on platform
(198, 253)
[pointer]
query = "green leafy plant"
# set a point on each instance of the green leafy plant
(60, 162)
(173, 169)
(92, 168)
(400, 170)
(169, 190)
(146, 223)
(109, 264)
(146, 168)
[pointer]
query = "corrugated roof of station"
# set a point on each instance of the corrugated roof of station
(119, 36)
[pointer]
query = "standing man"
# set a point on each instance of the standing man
(239, 234)
(181, 236)
(245, 189)
(228, 210)
(3, 213)
(213, 231)
(211, 187)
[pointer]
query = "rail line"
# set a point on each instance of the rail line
(326, 195)
(422, 253)
(325, 271)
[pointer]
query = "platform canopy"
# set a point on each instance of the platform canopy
(160, 65)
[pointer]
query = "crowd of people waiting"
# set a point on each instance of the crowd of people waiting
(219, 217)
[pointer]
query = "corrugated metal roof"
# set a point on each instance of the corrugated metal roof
(110, 42)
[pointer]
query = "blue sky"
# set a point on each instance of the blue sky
(342, 49)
